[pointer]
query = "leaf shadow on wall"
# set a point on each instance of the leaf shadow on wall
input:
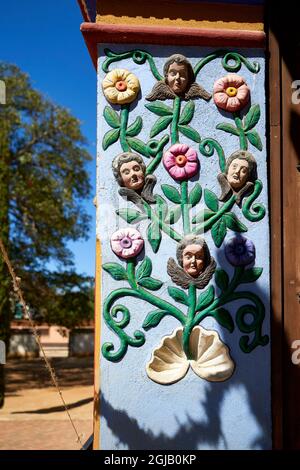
(252, 373)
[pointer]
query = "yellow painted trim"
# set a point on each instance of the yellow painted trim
(97, 350)
(151, 21)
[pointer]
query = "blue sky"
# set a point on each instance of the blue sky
(43, 39)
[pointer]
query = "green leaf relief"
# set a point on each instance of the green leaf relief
(174, 215)
(171, 193)
(211, 200)
(187, 113)
(251, 275)
(135, 128)
(144, 269)
(150, 283)
(206, 298)
(218, 232)
(154, 236)
(110, 138)
(234, 224)
(252, 117)
(224, 318)
(228, 128)
(254, 139)
(221, 279)
(138, 146)
(161, 208)
(178, 295)
(190, 133)
(202, 216)
(161, 124)
(195, 195)
(159, 108)
(154, 318)
(116, 271)
(131, 215)
(111, 117)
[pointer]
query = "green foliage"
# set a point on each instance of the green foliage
(205, 298)
(222, 279)
(161, 208)
(251, 275)
(252, 117)
(245, 129)
(191, 133)
(233, 223)
(150, 283)
(144, 269)
(255, 139)
(211, 200)
(160, 125)
(159, 108)
(171, 193)
(154, 236)
(154, 318)
(59, 298)
(187, 113)
(224, 318)
(218, 232)
(174, 215)
(138, 146)
(48, 180)
(178, 295)
(131, 215)
(228, 128)
(202, 216)
(195, 195)
(110, 138)
(43, 183)
(111, 117)
(135, 128)
(116, 271)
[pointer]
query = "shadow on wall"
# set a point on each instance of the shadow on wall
(250, 374)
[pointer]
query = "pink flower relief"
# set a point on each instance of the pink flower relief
(127, 243)
(231, 93)
(181, 161)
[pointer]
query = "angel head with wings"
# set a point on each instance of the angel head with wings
(195, 264)
(179, 80)
(129, 170)
(239, 177)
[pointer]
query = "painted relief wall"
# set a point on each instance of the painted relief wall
(183, 223)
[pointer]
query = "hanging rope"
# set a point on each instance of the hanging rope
(18, 291)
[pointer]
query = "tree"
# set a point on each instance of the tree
(43, 183)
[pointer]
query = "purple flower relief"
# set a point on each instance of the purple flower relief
(240, 251)
(127, 243)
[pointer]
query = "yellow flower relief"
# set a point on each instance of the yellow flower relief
(120, 86)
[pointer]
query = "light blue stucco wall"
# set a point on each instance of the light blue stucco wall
(191, 414)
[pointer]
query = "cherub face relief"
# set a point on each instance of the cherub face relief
(238, 173)
(132, 175)
(178, 78)
(193, 260)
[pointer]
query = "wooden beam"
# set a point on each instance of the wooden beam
(275, 185)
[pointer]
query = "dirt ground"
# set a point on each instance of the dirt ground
(33, 417)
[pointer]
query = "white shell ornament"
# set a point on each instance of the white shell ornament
(211, 362)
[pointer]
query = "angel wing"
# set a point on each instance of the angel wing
(243, 192)
(161, 91)
(147, 193)
(204, 278)
(178, 275)
(132, 196)
(225, 187)
(197, 91)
